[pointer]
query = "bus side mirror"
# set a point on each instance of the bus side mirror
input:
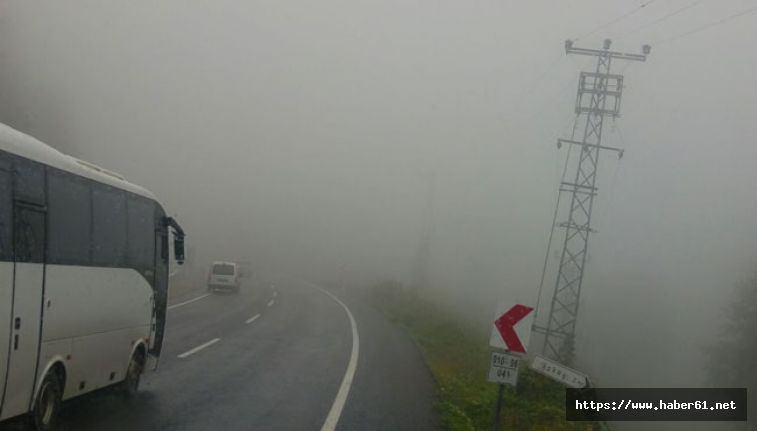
(178, 248)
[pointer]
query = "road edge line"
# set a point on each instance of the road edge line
(344, 389)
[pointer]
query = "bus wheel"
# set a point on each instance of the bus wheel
(130, 385)
(44, 415)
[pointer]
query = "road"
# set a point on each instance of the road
(274, 357)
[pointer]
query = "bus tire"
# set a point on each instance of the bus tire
(44, 415)
(130, 385)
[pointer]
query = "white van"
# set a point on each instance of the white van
(223, 276)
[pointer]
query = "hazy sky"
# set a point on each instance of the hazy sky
(302, 135)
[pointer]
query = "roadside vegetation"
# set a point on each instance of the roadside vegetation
(458, 357)
(733, 355)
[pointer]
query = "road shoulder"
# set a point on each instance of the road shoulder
(393, 387)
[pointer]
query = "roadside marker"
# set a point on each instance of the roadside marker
(511, 330)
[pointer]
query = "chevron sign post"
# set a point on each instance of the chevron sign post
(511, 330)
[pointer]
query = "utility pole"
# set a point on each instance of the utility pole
(599, 95)
(424, 244)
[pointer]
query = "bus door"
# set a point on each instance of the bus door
(29, 245)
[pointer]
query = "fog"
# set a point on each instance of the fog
(306, 137)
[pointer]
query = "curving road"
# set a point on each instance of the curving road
(277, 356)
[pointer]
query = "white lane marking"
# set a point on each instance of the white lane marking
(344, 389)
(252, 319)
(275, 293)
(198, 348)
(270, 303)
(188, 302)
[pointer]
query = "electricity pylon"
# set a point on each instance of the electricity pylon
(599, 95)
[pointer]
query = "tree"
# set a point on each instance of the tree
(733, 359)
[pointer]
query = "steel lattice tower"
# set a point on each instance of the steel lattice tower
(599, 95)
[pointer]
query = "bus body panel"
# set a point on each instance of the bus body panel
(49, 353)
(6, 297)
(95, 357)
(80, 298)
(116, 301)
(24, 339)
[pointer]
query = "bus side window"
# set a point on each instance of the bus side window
(29, 231)
(30, 181)
(141, 230)
(109, 226)
(5, 210)
(69, 219)
(28, 224)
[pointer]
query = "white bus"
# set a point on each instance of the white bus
(84, 258)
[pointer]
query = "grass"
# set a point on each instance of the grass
(458, 357)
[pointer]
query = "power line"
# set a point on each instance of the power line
(618, 19)
(533, 85)
(610, 193)
(554, 224)
(665, 17)
(709, 26)
(528, 89)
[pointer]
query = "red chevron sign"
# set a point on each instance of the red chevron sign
(512, 329)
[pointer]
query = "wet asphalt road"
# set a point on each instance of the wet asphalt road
(280, 371)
